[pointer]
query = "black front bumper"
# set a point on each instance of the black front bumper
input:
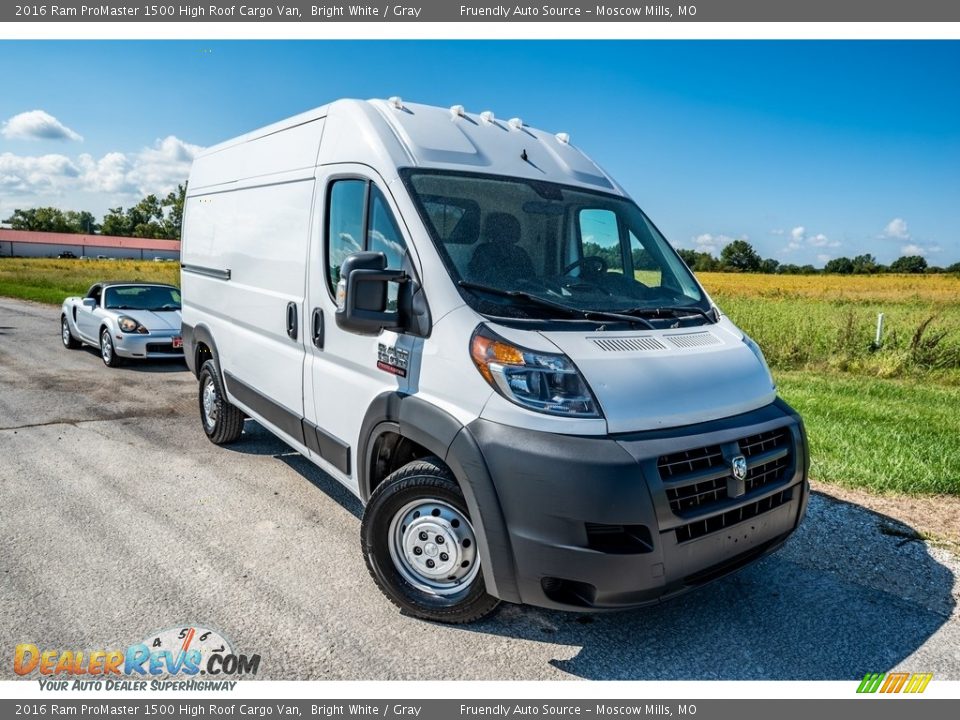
(592, 524)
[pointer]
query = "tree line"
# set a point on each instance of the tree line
(152, 217)
(740, 256)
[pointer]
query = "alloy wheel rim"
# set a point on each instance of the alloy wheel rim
(433, 546)
(64, 331)
(106, 347)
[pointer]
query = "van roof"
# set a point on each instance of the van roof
(389, 134)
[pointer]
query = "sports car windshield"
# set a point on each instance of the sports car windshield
(142, 297)
(534, 246)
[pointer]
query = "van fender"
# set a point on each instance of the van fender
(191, 337)
(444, 436)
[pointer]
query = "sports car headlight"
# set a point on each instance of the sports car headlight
(545, 382)
(129, 325)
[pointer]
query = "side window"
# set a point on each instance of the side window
(344, 225)
(383, 235)
(645, 268)
(348, 231)
(600, 236)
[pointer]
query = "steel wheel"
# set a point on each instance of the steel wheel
(211, 408)
(222, 422)
(433, 546)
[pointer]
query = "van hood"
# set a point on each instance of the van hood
(668, 378)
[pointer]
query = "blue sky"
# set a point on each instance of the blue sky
(808, 149)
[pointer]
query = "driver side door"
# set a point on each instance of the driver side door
(87, 319)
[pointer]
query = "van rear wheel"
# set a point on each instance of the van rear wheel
(222, 422)
(421, 548)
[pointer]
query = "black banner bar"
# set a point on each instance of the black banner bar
(485, 11)
(786, 709)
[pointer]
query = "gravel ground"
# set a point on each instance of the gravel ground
(118, 517)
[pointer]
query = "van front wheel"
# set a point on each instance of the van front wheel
(421, 548)
(222, 422)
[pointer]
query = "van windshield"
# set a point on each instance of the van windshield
(513, 244)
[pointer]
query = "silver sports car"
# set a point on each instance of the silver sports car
(125, 320)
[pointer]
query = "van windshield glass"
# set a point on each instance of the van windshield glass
(506, 240)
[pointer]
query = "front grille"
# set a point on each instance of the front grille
(700, 480)
(162, 348)
(699, 528)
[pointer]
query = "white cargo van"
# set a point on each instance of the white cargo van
(472, 326)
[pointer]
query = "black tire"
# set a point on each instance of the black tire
(224, 423)
(427, 480)
(108, 352)
(66, 335)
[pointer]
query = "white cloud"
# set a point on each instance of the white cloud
(897, 228)
(36, 174)
(821, 240)
(912, 249)
(116, 177)
(799, 238)
(823, 257)
(710, 243)
(108, 174)
(37, 125)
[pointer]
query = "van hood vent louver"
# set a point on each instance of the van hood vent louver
(629, 344)
(693, 340)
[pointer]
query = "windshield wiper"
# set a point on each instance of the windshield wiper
(675, 311)
(535, 300)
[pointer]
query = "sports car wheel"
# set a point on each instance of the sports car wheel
(69, 341)
(107, 351)
(222, 422)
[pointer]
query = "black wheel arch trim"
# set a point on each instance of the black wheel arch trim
(191, 337)
(447, 438)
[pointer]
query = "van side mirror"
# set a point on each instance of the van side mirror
(362, 294)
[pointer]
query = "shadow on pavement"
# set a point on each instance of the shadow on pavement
(258, 441)
(844, 597)
(172, 365)
(852, 592)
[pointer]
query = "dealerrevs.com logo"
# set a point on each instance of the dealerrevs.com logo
(172, 659)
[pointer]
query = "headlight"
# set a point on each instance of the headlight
(544, 382)
(755, 349)
(129, 325)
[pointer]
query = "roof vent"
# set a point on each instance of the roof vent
(396, 101)
(515, 123)
(563, 138)
(457, 111)
(487, 117)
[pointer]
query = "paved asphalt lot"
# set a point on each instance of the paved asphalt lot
(118, 517)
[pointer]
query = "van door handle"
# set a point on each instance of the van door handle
(292, 320)
(317, 328)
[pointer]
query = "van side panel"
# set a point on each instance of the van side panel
(242, 267)
(290, 149)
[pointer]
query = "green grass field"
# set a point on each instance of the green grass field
(885, 420)
(50, 281)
